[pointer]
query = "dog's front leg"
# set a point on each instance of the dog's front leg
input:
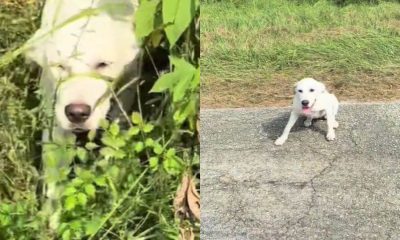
(54, 166)
(292, 120)
(308, 122)
(331, 124)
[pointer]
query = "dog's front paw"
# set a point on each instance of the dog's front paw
(330, 136)
(280, 141)
(307, 123)
(335, 124)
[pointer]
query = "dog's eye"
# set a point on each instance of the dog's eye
(61, 67)
(300, 91)
(311, 90)
(101, 65)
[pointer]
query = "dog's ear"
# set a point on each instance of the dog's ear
(322, 87)
(35, 49)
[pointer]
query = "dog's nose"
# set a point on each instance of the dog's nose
(77, 113)
(305, 103)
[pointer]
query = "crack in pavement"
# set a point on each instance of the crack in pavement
(300, 185)
(288, 225)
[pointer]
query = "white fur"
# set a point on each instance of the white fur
(321, 104)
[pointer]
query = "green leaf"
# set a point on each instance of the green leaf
(107, 152)
(144, 17)
(119, 142)
(158, 149)
(69, 191)
(104, 124)
(114, 129)
(91, 135)
(92, 226)
(100, 181)
(149, 142)
(133, 131)
(82, 199)
(114, 171)
(77, 182)
(189, 110)
(171, 152)
(112, 141)
(139, 146)
(178, 81)
(76, 225)
(91, 146)
(196, 160)
(90, 190)
(107, 140)
(119, 154)
(85, 175)
(82, 154)
(169, 8)
(70, 203)
(186, 73)
(181, 87)
(66, 234)
(153, 163)
(172, 166)
(148, 128)
(182, 65)
(103, 163)
(69, 140)
(184, 14)
(156, 38)
(196, 80)
(69, 155)
(166, 81)
(136, 118)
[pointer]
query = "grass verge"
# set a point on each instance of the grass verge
(254, 51)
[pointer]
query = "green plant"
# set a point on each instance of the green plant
(124, 187)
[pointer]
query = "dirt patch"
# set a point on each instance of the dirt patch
(276, 90)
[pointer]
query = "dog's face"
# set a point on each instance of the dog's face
(79, 63)
(307, 91)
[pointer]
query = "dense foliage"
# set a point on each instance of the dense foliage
(123, 188)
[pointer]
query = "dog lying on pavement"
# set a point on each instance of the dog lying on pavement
(313, 101)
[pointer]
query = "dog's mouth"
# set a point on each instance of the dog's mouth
(306, 110)
(80, 130)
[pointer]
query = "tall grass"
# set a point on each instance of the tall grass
(282, 34)
(19, 119)
(250, 42)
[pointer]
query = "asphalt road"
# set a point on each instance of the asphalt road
(308, 188)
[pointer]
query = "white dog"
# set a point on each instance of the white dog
(312, 100)
(80, 57)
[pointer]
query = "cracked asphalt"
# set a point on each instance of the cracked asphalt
(308, 188)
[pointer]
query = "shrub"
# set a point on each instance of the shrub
(126, 190)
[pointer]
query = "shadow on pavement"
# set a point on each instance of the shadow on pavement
(274, 128)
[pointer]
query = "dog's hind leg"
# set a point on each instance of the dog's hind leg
(331, 122)
(335, 111)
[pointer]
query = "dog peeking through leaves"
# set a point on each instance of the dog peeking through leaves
(91, 62)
